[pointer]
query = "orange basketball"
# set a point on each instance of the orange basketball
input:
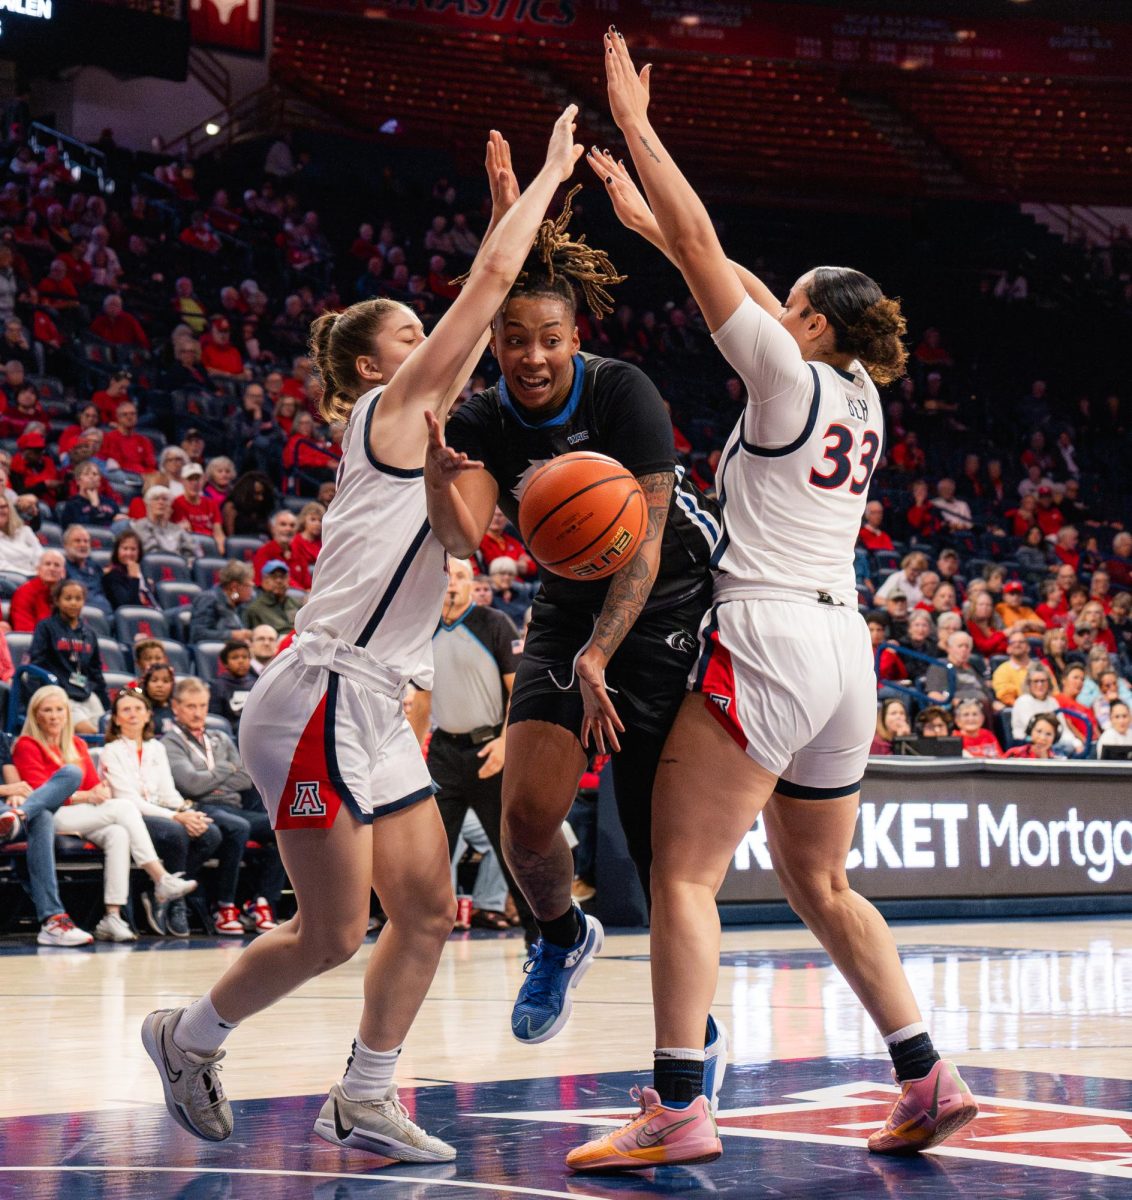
(582, 515)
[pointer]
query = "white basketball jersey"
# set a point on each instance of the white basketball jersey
(380, 579)
(792, 510)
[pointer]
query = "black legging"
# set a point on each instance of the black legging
(634, 773)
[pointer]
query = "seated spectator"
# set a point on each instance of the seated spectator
(218, 356)
(57, 292)
(31, 601)
(906, 580)
(273, 605)
(76, 550)
(19, 548)
(497, 542)
(953, 512)
(896, 609)
(907, 456)
(14, 346)
(1055, 653)
(1083, 724)
(91, 811)
(1100, 589)
(33, 471)
(946, 624)
(187, 307)
(218, 475)
(265, 646)
(67, 647)
(192, 443)
(1118, 732)
(1009, 676)
(1120, 622)
(944, 600)
(1041, 734)
(306, 544)
(892, 722)
(1092, 614)
(1014, 614)
(87, 417)
(118, 326)
(280, 548)
(1033, 554)
(872, 537)
(199, 236)
(1119, 564)
(307, 459)
(207, 770)
(510, 597)
(157, 687)
(123, 580)
(24, 411)
(148, 652)
(157, 533)
(1054, 607)
(1066, 547)
(218, 613)
(31, 814)
(88, 506)
(1039, 695)
(194, 511)
(948, 567)
(928, 583)
(135, 767)
(1108, 685)
(933, 721)
(247, 509)
(106, 401)
(124, 446)
(172, 462)
(969, 683)
(985, 627)
(889, 666)
(230, 689)
(970, 724)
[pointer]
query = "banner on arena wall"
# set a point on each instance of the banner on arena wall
(841, 37)
(235, 26)
(973, 831)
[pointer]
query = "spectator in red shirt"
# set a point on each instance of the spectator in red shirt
(1099, 589)
(970, 724)
(31, 601)
(108, 398)
(498, 543)
(199, 235)
(218, 356)
(872, 537)
(296, 383)
(1119, 566)
(1047, 515)
(89, 418)
(33, 470)
(26, 411)
(890, 667)
(284, 525)
(306, 545)
(1055, 650)
(1043, 733)
(132, 451)
(308, 459)
(1024, 517)
(56, 291)
(118, 326)
(985, 627)
(923, 519)
(907, 456)
(195, 511)
(1071, 684)
(1054, 608)
(1066, 546)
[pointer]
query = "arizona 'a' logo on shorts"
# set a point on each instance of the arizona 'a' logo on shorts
(306, 801)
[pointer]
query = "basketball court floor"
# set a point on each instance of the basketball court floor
(1037, 1014)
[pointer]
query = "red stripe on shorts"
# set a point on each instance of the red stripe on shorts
(309, 800)
(718, 687)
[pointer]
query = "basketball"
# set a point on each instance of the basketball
(582, 516)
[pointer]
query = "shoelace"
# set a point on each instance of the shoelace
(538, 985)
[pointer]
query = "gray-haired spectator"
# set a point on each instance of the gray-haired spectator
(969, 683)
(218, 613)
(158, 533)
(76, 550)
(509, 596)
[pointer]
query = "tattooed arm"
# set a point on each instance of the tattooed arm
(628, 592)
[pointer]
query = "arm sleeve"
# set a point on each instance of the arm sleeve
(780, 386)
(636, 427)
(30, 761)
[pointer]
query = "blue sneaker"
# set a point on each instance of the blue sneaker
(544, 1002)
(715, 1060)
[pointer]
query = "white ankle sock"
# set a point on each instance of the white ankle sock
(200, 1029)
(681, 1053)
(368, 1072)
(906, 1032)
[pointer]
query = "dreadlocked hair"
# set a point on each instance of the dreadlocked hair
(557, 265)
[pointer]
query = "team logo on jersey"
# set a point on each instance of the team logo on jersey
(724, 702)
(681, 641)
(306, 801)
(575, 438)
(521, 483)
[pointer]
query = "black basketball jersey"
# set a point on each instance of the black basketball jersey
(613, 409)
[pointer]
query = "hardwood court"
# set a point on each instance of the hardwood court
(1037, 1014)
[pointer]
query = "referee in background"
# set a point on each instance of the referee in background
(475, 660)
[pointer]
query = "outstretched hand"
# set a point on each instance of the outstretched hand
(563, 153)
(599, 716)
(628, 90)
(631, 207)
(443, 465)
(500, 175)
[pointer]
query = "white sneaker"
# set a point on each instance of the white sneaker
(191, 1082)
(379, 1126)
(113, 929)
(60, 930)
(173, 887)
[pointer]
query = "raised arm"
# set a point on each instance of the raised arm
(689, 237)
(425, 380)
(634, 213)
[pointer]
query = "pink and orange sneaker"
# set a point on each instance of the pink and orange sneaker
(656, 1137)
(928, 1111)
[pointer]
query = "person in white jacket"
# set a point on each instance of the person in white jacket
(135, 765)
(19, 547)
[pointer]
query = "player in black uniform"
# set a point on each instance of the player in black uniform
(633, 633)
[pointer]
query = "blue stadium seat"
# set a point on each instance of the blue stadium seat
(159, 567)
(132, 621)
(206, 545)
(205, 571)
(9, 581)
(179, 658)
(113, 657)
(50, 534)
(116, 681)
(100, 539)
(207, 656)
(97, 620)
(18, 646)
(243, 547)
(218, 724)
(100, 559)
(172, 593)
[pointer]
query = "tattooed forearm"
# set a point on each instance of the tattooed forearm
(630, 587)
(652, 152)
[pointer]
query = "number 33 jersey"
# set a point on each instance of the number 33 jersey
(794, 475)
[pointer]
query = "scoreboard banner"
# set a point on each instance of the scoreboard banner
(963, 828)
(754, 28)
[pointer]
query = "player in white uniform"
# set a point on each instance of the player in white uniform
(324, 736)
(783, 701)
